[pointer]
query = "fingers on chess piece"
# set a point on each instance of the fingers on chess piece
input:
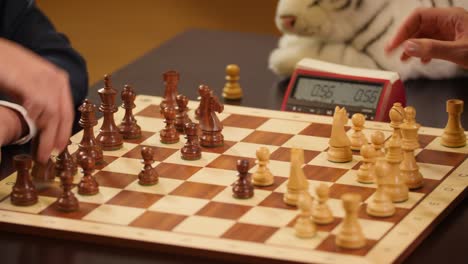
(232, 89)
(381, 204)
(366, 172)
(321, 212)
(297, 181)
(88, 146)
(109, 136)
(88, 184)
(171, 81)
(43, 172)
(378, 139)
(65, 161)
(67, 201)
(169, 134)
(408, 167)
(23, 193)
(182, 116)
(243, 188)
(350, 235)
(128, 128)
(358, 138)
(148, 174)
(454, 134)
(305, 226)
(263, 176)
(191, 149)
(339, 144)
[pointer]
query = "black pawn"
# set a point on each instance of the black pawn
(191, 149)
(243, 188)
(67, 201)
(24, 193)
(147, 175)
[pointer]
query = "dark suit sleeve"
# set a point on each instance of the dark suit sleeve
(22, 22)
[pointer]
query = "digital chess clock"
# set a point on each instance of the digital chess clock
(316, 87)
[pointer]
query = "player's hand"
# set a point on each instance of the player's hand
(434, 33)
(41, 88)
(13, 127)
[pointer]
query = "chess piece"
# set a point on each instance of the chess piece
(65, 161)
(410, 119)
(88, 146)
(350, 235)
(366, 172)
(297, 181)
(321, 212)
(394, 183)
(454, 134)
(381, 204)
(339, 144)
(408, 167)
(109, 136)
(305, 226)
(397, 115)
(88, 184)
(148, 175)
(191, 149)
(128, 128)
(358, 138)
(169, 134)
(171, 81)
(378, 139)
(263, 176)
(24, 193)
(181, 116)
(242, 188)
(43, 172)
(210, 125)
(232, 89)
(67, 201)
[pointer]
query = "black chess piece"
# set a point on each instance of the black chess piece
(243, 188)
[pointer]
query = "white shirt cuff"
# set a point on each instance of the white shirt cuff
(29, 122)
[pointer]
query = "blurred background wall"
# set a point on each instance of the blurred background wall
(113, 33)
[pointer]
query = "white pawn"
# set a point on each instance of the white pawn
(321, 212)
(381, 205)
(263, 176)
(366, 172)
(358, 138)
(305, 226)
(351, 235)
(378, 139)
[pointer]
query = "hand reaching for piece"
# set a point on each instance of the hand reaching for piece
(434, 33)
(43, 90)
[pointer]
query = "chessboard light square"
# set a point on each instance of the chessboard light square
(307, 143)
(214, 176)
(244, 149)
(206, 158)
(6, 185)
(267, 216)
(42, 203)
(126, 165)
(312, 186)
(178, 205)
(283, 126)
(413, 199)
(150, 124)
(203, 225)
(321, 160)
(225, 196)
(286, 237)
(235, 133)
(336, 206)
(350, 178)
(164, 186)
(126, 147)
(437, 145)
(155, 141)
(114, 214)
(104, 195)
(277, 168)
(433, 171)
(372, 229)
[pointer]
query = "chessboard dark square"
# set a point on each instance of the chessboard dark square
(159, 153)
(337, 190)
(267, 138)
(440, 157)
(134, 199)
(275, 200)
(157, 220)
(317, 130)
(176, 171)
(277, 182)
(400, 213)
(428, 186)
(322, 228)
(319, 173)
(249, 232)
(144, 136)
(424, 140)
(329, 245)
(244, 121)
(114, 179)
(284, 154)
(50, 189)
(223, 210)
(227, 145)
(85, 208)
(150, 111)
(228, 162)
(198, 190)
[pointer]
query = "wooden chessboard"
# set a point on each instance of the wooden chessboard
(191, 209)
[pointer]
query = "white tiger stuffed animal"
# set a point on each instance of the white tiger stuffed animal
(353, 33)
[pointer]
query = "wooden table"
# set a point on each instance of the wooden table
(201, 56)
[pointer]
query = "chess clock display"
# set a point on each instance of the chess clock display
(316, 87)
